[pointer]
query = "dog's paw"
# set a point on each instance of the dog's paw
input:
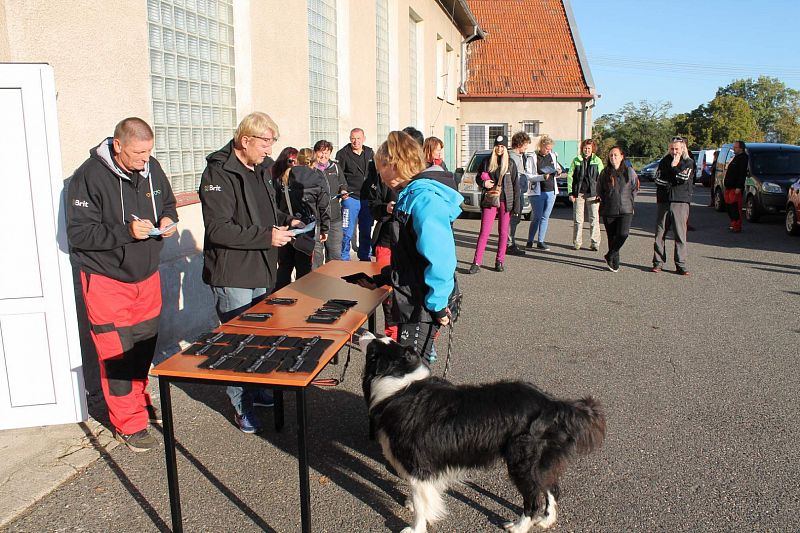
(545, 521)
(409, 504)
(523, 525)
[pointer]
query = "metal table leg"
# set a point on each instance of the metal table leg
(169, 451)
(302, 459)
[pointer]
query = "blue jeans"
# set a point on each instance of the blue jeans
(356, 212)
(231, 302)
(542, 207)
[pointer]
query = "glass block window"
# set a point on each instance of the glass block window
(193, 84)
(382, 68)
(322, 71)
(413, 67)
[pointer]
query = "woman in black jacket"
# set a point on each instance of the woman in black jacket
(302, 192)
(616, 189)
(497, 178)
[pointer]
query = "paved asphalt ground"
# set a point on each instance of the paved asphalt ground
(698, 376)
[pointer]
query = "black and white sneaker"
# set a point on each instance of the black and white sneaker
(141, 441)
(611, 263)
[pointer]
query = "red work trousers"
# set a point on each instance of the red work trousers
(383, 256)
(124, 328)
(733, 201)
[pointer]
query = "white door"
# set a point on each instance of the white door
(41, 380)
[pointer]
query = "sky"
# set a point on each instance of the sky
(682, 51)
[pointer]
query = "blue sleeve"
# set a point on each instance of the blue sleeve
(436, 244)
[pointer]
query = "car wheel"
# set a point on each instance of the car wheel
(751, 213)
(719, 200)
(792, 224)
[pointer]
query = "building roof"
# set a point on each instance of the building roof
(531, 50)
(462, 17)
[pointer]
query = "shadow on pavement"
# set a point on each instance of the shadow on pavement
(125, 481)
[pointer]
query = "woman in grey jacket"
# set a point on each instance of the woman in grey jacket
(616, 189)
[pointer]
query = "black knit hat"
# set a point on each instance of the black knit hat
(500, 139)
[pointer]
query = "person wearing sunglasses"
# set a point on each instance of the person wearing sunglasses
(244, 229)
(674, 185)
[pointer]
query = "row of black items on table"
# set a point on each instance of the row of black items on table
(284, 354)
(331, 311)
(261, 317)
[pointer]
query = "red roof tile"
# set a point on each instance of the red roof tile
(528, 52)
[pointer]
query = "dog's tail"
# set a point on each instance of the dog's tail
(586, 424)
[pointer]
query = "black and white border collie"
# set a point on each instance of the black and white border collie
(432, 432)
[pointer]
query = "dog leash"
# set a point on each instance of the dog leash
(449, 350)
(333, 382)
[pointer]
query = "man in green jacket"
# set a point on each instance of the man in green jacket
(582, 177)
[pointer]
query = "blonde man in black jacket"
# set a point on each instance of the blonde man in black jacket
(244, 230)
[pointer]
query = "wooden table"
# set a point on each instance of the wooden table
(311, 291)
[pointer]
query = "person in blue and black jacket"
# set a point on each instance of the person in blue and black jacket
(423, 263)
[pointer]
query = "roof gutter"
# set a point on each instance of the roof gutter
(462, 18)
(477, 34)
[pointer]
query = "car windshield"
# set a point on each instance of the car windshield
(775, 162)
(475, 164)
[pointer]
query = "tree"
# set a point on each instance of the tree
(642, 130)
(731, 119)
(768, 98)
(787, 127)
(695, 126)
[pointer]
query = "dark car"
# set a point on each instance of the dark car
(793, 209)
(771, 171)
(648, 171)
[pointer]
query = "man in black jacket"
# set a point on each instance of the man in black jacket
(354, 159)
(243, 231)
(120, 206)
(735, 177)
(673, 195)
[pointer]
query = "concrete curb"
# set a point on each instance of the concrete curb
(35, 461)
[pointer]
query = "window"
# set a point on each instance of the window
(441, 69)
(449, 63)
(531, 127)
(382, 67)
(192, 77)
(413, 67)
(480, 137)
(322, 71)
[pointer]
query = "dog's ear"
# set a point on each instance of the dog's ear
(364, 340)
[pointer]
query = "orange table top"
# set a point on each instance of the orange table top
(311, 291)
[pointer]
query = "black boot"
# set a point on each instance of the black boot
(499, 267)
(474, 269)
(514, 250)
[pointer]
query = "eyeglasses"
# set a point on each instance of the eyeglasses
(268, 140)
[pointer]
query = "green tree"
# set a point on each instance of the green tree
(768, 98)
(643, 129)
(695, 126)
(731, 119)
(787, 127)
